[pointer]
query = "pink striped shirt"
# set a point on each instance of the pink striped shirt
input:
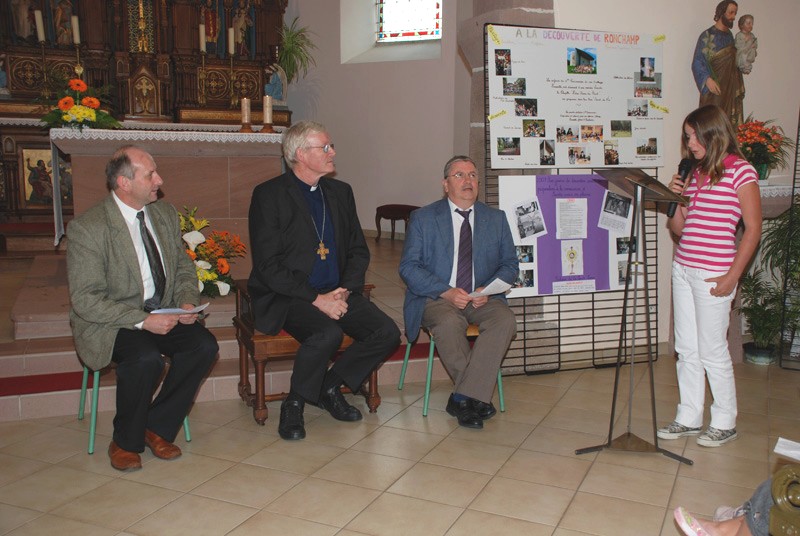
(708, 239)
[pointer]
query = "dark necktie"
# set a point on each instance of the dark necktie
(156, 268)
(464, 270)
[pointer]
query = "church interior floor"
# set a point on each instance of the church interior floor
(397, 472)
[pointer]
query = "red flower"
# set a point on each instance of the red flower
(76, 84)
(66, 103)
(90, 102)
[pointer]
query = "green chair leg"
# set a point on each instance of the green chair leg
(82, 401)
(428, 378)
(405, 365)
(186, 432)
(500, 391)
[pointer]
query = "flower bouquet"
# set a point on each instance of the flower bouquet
(764, 145)
(79, 105)
(212, 256)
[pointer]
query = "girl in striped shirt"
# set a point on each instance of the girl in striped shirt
(722, 191)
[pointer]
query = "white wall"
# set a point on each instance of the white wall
(394, 153)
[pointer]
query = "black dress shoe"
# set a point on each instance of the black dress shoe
(292, 425)
(484, 410)
(334, 403)
(465, 412)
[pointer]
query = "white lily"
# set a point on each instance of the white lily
(205, 265)
(200, 285)
(194, 239)
(223, 287)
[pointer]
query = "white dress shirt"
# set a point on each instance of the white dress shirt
(458, 220)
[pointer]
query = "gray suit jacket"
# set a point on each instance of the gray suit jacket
(105, 282)
(427, 261)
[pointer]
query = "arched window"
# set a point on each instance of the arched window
(408, 20)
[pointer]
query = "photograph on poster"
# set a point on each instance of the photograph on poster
(611, 152)
(637, 107)
(525, 254)
(621, 128)
(571, 257)
(533, 128)
(581, 60)
(650, 89)
(647, 69)
(529, 220)
(502, 62)
(616, 213)
(567, 134)
(646, 146)
(524, 279)
(624, 245)
(508, 146)
(622, 272)
(590, 133)
(579, 154)
(547, 153)
(514, 86)
(525, 107)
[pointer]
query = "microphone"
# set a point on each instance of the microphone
(684, 168)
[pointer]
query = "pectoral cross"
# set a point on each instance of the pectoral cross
(322, 251)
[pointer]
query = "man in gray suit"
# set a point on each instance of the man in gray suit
(452, 247)
(125, 259)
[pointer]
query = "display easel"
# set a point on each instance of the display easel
(642, 187)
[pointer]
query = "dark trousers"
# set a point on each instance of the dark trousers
(138, 354)
(376, 337)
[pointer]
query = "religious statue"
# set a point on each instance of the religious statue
(714, 64)
(276, 84)
(746, 45)
(41, 183)
(62, 21)
(210, 17)
(241, 26)
(21, 10)
(4, 92)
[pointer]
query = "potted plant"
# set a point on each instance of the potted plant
(762, 307)
(764, 145)
(294, 54)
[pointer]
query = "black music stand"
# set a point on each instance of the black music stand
(642, 187)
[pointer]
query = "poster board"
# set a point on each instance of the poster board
(573, 98)
(571, 233)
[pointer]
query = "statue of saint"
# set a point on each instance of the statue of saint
(746, 45)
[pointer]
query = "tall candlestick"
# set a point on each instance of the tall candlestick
(37, 14)
(76, 30)
(202, 37)
(245, 111)
(231, 42)
(267, 110)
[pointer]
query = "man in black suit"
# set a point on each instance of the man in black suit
(309, 261)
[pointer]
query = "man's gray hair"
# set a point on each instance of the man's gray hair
(120, 164)
(295, 138)
(457, 158)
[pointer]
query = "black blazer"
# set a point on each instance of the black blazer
(283, 244)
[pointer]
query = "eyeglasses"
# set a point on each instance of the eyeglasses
(460, 175)
(325, 148)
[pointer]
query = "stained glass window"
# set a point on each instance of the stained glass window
(409, 20)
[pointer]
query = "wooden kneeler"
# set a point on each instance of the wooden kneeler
(262, 348)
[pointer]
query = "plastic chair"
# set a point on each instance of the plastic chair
(472, 331)
(93, 418)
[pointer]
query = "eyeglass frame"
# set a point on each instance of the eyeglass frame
(325, 148)
(460, 175)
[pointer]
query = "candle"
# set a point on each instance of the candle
(202, 37)
(39, 25)
(267, 110)
(76, 30)
(231, 43)
(245, 111)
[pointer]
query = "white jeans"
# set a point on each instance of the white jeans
(701, 341)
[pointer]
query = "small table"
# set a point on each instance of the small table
(392, 213)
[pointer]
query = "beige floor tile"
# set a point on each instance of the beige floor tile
(703, 497)
(437, 422)
(15, 431)
(294, 456)
(536, 503)
(12, 517)
(562, 442)
(715, 466)
(321, 501)
(181, 474)
(567, 532)
(750, 446)
(472, 522)
(561, 379)
(527, 392)
(40, 446)
(649, 461)
(784, 390)
(496, 432)
(248, 485)
(526, 413)
(469, 455)
(392, 515)
(398, 443)
(778, 407)
(193, 515)
(410, 393)
(609, 516)
(364, 469)
(752, 423)
(229, 444)
(220, 412)
(782, 427)
(436, 483)
(590, 422)
(13, 468)
(268, 524)
(102, 506)
(386, 411)
(541, 468)
(328, 431)
(50, 524)
(628, 483)
(50, 488)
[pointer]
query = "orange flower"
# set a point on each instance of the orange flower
(76, 84)
(66, 103)
(223, 266)
(192, 254)
(90, 102)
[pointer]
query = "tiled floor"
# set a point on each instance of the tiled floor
(397, 472)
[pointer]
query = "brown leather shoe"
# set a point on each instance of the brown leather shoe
(123, 460)
(161, 448)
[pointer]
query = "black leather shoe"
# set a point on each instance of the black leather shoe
(465, 412)
(484, 410)
(334, 403)
(292, 425)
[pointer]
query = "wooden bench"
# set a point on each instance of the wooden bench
(262, 348)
